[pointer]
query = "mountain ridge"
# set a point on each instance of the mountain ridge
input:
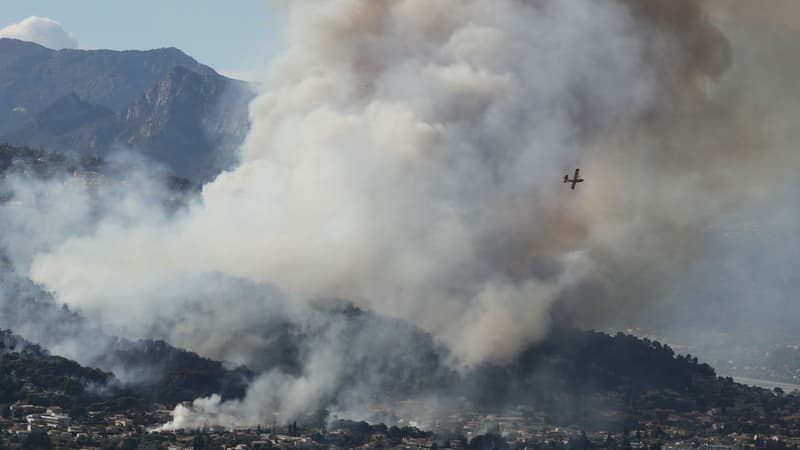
(161, 103)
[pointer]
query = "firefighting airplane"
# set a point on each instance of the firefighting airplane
(575, 179)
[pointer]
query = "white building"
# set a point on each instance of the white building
(51, 419)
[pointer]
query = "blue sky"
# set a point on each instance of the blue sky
(231, 36)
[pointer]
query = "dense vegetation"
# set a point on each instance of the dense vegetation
(572, 375)
(586, 361)
(30, 374)
(174, 375)
(586, 379)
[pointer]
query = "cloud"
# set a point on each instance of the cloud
(41, 30)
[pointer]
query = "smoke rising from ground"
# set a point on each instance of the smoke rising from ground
(407, 155)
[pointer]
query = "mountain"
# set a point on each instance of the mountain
(160, 102)
(68, 123)
(186, 110)
(33, 77)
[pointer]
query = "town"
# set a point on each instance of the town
(748, 425)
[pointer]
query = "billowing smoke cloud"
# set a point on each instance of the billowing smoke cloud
(41, 30)
(407, 155)
(781, 13)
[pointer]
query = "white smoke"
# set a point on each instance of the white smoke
(41, 30)
(391, 163)
(407, 155)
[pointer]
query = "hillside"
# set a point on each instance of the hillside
(170, 375)
(160, 102)
(38, 164)
(578, 378)
(30, 374)
(33, 77)
(154, 370)
(585, 380)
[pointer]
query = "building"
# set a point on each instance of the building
(50, 419)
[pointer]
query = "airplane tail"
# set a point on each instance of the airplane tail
(565, 178)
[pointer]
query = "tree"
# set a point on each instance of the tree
(37, 440)
(200, 442)
(611, 443)
(580, 443)
(130, 443)
(488, 442)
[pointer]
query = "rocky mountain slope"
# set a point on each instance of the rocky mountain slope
(161, 103)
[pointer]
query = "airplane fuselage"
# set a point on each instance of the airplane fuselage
(575, 179)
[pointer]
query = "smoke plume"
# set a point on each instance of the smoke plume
(407, 156)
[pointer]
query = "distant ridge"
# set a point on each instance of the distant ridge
(160, 102)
